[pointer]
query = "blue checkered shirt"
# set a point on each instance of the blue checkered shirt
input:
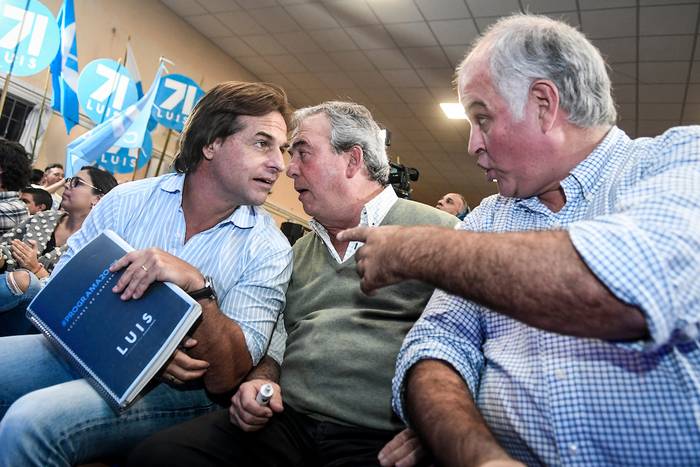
(633, 214)
(246, 255)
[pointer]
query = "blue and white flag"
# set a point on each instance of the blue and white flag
(126, 129)
(64, 68)
(133, 69)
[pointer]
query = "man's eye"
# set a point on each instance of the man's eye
(261, 144)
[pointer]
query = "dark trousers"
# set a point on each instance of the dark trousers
(288, 439)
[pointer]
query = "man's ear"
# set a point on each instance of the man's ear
(209, 149)
(356, 161)
(546, 97)
(42, 207)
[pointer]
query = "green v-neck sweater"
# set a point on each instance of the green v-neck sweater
(342, 344)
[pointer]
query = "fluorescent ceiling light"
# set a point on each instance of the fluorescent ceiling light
(453, 111)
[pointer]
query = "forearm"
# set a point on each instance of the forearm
(267, 369)
(220, 341)
(444, 415)
(55, 187)
(535, 277)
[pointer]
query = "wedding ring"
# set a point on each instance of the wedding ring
(145, 269)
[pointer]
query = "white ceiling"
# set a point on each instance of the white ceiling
(397, 57)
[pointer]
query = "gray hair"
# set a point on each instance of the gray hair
(351, 125)
(523, 48)
(465, 205)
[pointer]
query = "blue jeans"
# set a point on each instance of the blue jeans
(13, 319)
(51, 417)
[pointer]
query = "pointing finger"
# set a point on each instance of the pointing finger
(358, 234)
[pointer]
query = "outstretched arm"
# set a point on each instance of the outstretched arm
(53, 188)
(548, 285)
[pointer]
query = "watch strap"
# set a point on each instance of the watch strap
(205, 292)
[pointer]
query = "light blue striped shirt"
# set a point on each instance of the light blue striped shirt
(633, 214)
(246, 255)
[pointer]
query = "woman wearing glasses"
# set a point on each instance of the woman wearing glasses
(29, 252)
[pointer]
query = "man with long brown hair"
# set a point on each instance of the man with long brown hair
(199, 228)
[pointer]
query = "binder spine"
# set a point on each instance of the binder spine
(84, 371)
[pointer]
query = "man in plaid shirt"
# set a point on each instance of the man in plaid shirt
(14, 175)
(566, 331)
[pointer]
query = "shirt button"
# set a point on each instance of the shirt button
(561, 375)
(573, 449)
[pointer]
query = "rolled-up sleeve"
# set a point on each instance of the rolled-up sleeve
(278, 341)
(450, 330)
(648, 253)
(257, 299)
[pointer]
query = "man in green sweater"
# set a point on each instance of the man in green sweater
(332, 392)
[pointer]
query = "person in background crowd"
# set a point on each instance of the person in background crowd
(14, 175)
(36, 177)
(36, 199)
(455, 204)
(29, 252)
(53, 181)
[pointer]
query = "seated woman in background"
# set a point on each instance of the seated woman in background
(29, 252)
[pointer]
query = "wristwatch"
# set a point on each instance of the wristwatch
(205, 292)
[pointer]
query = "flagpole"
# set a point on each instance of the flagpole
(136, 164)
(150, 159)
(5, 88)
(138, 153)
(8, 77)
(167, 136)
(111, 91)
(41, 112)
(126, 49)
(161, 59)
(165, 147)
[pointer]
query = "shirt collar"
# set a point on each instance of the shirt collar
(376, 209)
(172, 183)
(373, 214)
(585, 177)
(243, 217)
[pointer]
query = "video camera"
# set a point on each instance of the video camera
(400, 176)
